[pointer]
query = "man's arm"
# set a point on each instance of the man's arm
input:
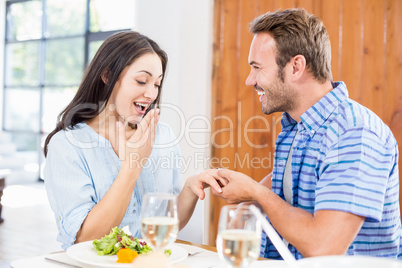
(323, 233)
(267, 181)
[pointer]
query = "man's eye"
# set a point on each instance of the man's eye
(141, 82)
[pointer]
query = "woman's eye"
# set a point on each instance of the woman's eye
(141, 82)
(158, 86)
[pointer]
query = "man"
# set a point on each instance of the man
(334, 188)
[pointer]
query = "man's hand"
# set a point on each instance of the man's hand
(240, 187)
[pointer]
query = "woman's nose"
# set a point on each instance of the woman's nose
(151, 92)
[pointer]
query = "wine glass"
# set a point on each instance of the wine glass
(159, 219)
(239, 236)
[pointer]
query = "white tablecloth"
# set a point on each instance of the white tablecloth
(205, 259)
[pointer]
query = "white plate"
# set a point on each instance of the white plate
(348, 262)
(86, 254)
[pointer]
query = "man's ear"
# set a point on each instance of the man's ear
(298, 66)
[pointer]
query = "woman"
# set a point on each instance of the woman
(103, 155)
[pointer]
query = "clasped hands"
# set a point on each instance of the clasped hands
(234, 187)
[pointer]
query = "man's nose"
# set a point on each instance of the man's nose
(250, 81)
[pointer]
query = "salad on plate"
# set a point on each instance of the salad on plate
(120, 242)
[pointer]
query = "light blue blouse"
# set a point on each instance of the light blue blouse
(81, 166)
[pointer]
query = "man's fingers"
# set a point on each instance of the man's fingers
(225, 173)
(222, 181)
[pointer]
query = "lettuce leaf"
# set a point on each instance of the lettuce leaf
(107, 245)
(117, 239)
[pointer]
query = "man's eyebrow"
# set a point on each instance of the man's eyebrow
(254, 63)
(150, 74)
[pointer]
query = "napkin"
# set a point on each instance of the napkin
(62, 257)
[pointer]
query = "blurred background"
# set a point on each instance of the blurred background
(217, 119)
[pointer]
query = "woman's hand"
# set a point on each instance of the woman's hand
(194, 189)
(209, 178)
(135, 149)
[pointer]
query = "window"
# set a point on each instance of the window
(47, 46)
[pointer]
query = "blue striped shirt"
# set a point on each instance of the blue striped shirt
(81, 166)
(344, 158)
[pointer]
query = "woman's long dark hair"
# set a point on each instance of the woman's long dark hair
(117, 52)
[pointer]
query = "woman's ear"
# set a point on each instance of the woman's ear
(104, 76)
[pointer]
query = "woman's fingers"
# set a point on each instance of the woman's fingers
(209, 178)
(145, 129)
(121, 134)
(220, 180)
(153, 124)
(200, 193)
(145, 122)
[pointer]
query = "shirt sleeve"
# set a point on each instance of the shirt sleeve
(354, 174)
(69, 187)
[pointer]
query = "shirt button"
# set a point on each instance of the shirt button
(312, 132)
(134, 211)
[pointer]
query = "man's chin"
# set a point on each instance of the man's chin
(265, 111)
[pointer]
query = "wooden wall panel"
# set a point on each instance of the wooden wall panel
(283, 4)
(366, 53)
(246, 108)
(352, 47)
(308, 5)
(263, 6)
(224, 122)
(330, 15)
(373, 56)
(393, 74)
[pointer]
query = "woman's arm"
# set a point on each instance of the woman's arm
(194, 189)
(110, 210)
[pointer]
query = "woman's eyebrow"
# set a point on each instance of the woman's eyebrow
(150, 74)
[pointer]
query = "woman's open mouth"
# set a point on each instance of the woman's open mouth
(141, 107)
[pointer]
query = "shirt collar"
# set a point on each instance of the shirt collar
(287, 122)
(317, 114)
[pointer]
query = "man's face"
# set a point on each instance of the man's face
(275, 95)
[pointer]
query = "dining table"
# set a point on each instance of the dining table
(196, 256)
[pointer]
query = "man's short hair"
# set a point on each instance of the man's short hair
(297, 32)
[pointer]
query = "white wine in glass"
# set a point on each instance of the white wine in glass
(160, 223)
(239, 236)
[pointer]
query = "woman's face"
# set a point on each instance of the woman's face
(137, 87)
